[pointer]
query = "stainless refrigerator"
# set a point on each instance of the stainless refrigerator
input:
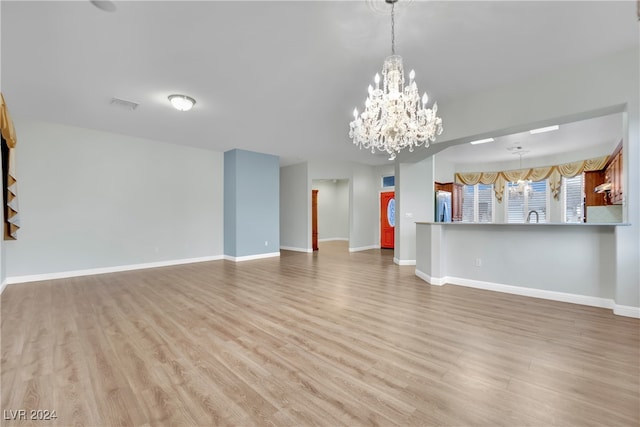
(443, 206)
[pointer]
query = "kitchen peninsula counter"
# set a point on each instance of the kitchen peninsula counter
(511, 224)
(560, 261)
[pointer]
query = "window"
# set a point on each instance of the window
(477, 204)
(573, 198)
(468, 203)
(389, 181)
(485, 202)
(527, 204)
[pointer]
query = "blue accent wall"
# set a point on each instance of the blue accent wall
(230, 202)
(251, 203)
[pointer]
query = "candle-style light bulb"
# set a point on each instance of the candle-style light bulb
(355, 113)
(377, 80)
(412, 75)
(370, 90)
(425, 98)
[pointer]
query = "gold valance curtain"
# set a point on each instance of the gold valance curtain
(10, 187)
(553, 173)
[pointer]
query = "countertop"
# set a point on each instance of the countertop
(530, 224)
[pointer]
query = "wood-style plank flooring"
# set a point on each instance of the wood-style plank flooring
(330, 339)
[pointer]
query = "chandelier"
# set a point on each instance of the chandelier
(522, 187)
(395, 117)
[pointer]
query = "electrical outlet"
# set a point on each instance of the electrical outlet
(478, 262)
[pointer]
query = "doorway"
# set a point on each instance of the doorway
(330, 206)
(387, 219)
(314, 220)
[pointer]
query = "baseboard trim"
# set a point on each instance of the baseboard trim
(251, 257)
(291, 248)
(404, 261)
(626, 310)
(532, 292)
(3, 285)
(364, 248)
(334, 239)
(620, 310)
(430, 280)
(105, 270)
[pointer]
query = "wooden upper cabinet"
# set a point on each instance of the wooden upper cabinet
(438, 186)
(591, 180)
(456, 202)
(613, 174)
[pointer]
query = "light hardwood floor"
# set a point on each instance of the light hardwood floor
(332, 338)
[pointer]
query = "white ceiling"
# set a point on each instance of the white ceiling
(278, 77)
(598, 136)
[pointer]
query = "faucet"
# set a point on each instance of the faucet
(529, 216)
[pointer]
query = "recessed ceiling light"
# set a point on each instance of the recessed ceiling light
(542, 130)
(182, 102)
(481, 141)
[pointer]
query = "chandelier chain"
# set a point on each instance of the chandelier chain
(393, 29)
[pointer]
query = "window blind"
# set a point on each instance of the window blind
(573, 190)
(519, 205)
(485, 203)
(477, 205)
(468, 203)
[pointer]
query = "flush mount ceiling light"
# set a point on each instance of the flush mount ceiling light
(395, 117)
(542, 130)
(182, 102)
(481, 141)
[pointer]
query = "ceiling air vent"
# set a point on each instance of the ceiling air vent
(124, 104)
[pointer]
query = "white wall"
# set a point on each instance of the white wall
(294, 208)
(444, 170)
(386, 169)
(414, 202)
(333, 209)
(364, 224)
(91, 200)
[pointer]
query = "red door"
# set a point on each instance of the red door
(387, 219)
(314, 219)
